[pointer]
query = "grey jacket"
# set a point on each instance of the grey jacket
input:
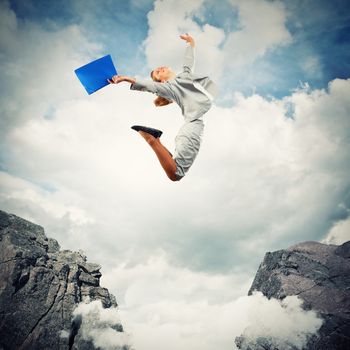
(193, 102)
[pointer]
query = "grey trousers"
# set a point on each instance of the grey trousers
(187, 144)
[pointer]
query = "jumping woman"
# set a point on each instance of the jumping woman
(194, 95)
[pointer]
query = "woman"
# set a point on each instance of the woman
(193, 94)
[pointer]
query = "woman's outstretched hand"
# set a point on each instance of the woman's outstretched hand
(116, 79)
(188, 39)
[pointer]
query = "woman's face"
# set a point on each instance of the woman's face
(161, 74)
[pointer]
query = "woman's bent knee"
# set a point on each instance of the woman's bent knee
(174, 178)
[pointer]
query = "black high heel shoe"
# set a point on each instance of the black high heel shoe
(154, 132)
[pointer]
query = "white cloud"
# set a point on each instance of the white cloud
(98, 325)
(171, 307)
(262, 28)
(339, 233)
(284, 322)
(16, 189)
(155, 280)
(166, 306)
(278, 176)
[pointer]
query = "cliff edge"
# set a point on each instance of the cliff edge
(41, 286)
(317, 273)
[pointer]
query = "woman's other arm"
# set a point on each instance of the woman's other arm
(188, 64)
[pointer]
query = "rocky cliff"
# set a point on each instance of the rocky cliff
(317, 273)
(41, 286)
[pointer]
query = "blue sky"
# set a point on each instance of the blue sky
(272, 170)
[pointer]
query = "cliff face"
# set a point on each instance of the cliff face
(40, 286)
(317, 273)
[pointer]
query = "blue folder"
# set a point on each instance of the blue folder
(94, 75)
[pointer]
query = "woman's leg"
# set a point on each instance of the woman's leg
(164, 156)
